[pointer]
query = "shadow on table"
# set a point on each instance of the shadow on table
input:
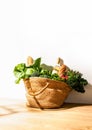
(4, 110)
(11, 109)
(72, 105)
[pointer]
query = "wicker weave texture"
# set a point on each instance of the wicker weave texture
(45, 93)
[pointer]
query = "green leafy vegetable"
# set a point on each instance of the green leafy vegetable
(73, 78)
(19, 72)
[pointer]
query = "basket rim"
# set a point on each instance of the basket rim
(56, 81)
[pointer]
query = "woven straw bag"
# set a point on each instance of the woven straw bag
(45, 93)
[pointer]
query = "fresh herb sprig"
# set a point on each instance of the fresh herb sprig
(75, 80)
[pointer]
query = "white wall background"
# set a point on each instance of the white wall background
(46, 28)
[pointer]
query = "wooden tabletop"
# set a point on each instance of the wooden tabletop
(15, 115)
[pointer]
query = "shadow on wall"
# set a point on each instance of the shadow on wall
(76, 97)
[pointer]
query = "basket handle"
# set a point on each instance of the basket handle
(40, 91)
(37, 93)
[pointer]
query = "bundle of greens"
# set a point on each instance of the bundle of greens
(72, 78)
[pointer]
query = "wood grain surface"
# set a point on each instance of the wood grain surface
(15, 115)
